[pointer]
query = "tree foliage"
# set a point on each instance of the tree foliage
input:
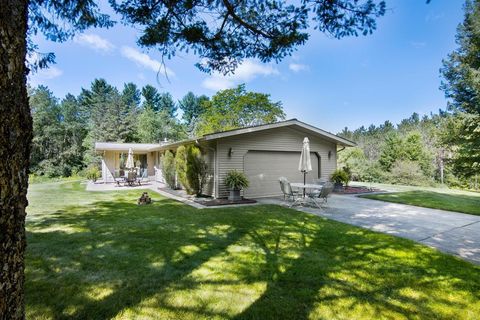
(384, 150)
(249, 29)
(264, 29)
(181, 167)
(168, 167)
(196, 170)
(59, 130)
(235, 108)
(462, 86)
(193, 107)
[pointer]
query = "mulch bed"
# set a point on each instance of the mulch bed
(357, 190)
(222, 202)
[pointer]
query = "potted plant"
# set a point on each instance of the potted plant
(339, 177)
(235, 181)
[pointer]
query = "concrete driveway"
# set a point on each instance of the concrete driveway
(450, 232)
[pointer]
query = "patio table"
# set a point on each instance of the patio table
(304, 199)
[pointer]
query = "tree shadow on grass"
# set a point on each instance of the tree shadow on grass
(96, 261)
(345, 273)
(110, 256)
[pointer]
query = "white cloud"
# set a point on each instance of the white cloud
(248, 70)
(94, 41)
(43, 75)
(297, 67)
(145, 61)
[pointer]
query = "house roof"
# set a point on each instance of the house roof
(294, 123)
(118, 146)
(287, 123)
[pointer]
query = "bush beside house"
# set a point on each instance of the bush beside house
(168, 164)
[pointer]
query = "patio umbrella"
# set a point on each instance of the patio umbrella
(130, 165)
(305, 164)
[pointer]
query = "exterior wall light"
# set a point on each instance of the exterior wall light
(230, 152)
(329, 154)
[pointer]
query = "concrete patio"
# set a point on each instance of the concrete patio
(450, 232)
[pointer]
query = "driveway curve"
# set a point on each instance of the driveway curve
(451, 232)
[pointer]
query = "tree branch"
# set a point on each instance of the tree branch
(231, 11)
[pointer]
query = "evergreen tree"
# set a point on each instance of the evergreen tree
(151, 98)
(46, 130)
(167, 105)
(131, 95)
(193, 107)
(462, 86)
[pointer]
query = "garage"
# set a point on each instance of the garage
(263, 168)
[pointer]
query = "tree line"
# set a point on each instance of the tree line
(443, 147)
(416, 151)
(65, 130)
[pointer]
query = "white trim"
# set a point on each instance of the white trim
(292, 122)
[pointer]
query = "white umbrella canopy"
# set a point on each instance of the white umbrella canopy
(305, 164)
(130, 164)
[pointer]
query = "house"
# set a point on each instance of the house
(264, 153)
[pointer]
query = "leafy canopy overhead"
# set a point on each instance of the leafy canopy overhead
(224, 32)
(221, 33)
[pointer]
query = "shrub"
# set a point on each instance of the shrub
(196, 173)
(236, 180)
(181, 167)
(408, 173)
(340, 176)
(168, 167)
(92, 173)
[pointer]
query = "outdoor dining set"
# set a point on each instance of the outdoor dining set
(315, 193)
(132, 176)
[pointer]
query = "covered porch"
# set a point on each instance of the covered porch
(114, 156)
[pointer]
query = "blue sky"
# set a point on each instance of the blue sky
(328, 83)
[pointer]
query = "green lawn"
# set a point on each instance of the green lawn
(100, 256)
(429, 199)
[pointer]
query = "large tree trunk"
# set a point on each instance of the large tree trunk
(15, 138)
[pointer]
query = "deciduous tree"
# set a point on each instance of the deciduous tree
(235, 108)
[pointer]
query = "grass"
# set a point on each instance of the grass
(100, 256)
(452, 202)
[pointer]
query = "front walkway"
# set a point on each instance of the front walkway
(451, 232)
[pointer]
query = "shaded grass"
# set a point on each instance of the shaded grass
(429, 199)
(100, 256)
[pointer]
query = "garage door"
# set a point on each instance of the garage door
(263, 168)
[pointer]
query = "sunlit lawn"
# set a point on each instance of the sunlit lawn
(100, 256)
(429, 199)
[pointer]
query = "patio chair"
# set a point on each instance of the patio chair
(118, 177)
(288, 192)
(320, 197)
(320, 181)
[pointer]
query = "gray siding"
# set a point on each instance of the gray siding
(279, 139)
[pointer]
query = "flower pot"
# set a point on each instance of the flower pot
(234, 195)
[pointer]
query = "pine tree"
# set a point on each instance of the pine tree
(462, 86)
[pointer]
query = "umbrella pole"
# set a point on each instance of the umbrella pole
(304, 181)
